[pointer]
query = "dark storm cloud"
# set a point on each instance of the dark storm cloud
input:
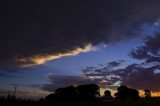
(150, 51)
(33, 32)
(146, 74)
(142, 78)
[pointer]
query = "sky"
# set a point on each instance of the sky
(49, 44)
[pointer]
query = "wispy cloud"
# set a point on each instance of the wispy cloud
(40, 59)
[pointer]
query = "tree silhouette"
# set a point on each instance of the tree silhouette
(52, 97)
(66, 92)
(88, 92)
(63, 94)
(71, 93)
(127, 93)
(147, 93)
(107, 95)
(134, 93)
(122, 92)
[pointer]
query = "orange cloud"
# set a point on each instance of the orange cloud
(40, 59)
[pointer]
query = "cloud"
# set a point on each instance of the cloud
(57, 81)
(141, 78)
(105, 76)
(35, 32)
(157, 23)
(150, 51)
(142, 75)
(134, 75)
(36, 60)
(146, 74)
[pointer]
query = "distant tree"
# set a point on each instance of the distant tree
(52, 97)
(116, 95)
(125, 93)
(2, 98)
(10, 98)
(80, 93)
(63, 94)
(147, 93)
(41, 100)
(134, 94)
(88, 90)
(107, 95)
(122, 92)
(66, 92)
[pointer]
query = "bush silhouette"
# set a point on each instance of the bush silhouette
(127, 93)
(147, 93)
(88, 92)
(71, 93)
(63, 94)
(107, 95)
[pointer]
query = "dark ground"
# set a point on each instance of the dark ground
(142, 102)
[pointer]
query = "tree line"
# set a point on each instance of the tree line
(91, 92)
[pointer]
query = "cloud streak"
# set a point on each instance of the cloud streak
(40, 59)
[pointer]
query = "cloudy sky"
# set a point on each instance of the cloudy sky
(46, 44)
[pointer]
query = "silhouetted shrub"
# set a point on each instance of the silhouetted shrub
(80, 93)
(127, 93)
(88, 92)
(147, 93)
(107, 95)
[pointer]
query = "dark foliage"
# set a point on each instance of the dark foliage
(127, 93)
(107, 95)
(88, 92)
(147, 93)
(79, 93)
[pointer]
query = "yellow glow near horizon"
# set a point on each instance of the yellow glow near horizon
(141, 92)
(153, 94)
